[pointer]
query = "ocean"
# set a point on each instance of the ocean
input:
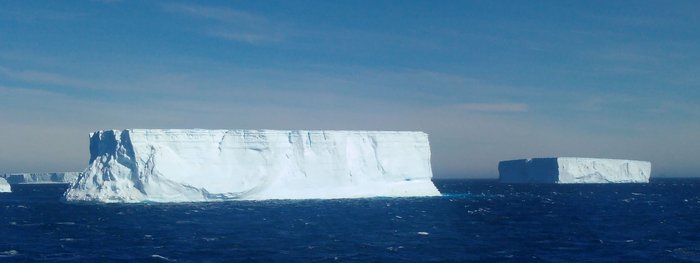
(474, 221)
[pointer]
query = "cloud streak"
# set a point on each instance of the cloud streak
(231, 24)
(492, 107)
(41, 77)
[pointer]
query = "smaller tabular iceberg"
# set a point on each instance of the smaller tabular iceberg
(41, 178)
(568, 170)
(4, 186)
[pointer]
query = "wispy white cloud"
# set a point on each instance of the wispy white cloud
(221, 14)
(253, 28)
(231, 24)
(492, 107)
(246, 37)
(33, 76)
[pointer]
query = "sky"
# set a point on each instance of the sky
(487, 80)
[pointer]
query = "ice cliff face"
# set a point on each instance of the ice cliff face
(41, 178)
(4, 186)
(567, 170)
(208, 165)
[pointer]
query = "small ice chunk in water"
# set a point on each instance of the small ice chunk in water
(161, 257)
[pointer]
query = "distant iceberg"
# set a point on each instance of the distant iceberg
(41, 178)
(568, 170)
(4, 186)
(210, 165)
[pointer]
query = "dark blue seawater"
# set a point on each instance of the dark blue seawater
(476, 220)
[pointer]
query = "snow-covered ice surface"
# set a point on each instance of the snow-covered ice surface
(4, 186)
(570, 170)
(41, 178)
(209, 165)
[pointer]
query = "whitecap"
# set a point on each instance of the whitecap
(8, 254)
(161, 257)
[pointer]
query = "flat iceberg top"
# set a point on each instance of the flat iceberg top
(4, 186)
(269, 131)
(566, 170)
(199, 135)
(578, 159)
(260, 131)
(174, 165)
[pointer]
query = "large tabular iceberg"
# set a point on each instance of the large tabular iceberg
(41, 178)
(567, 170)
(4, 186)
(209, 165)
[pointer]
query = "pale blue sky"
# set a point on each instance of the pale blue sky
(488, 80)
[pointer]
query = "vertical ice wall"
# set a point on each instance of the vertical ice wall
(41, 178)
(4, 186)
(202, 165)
